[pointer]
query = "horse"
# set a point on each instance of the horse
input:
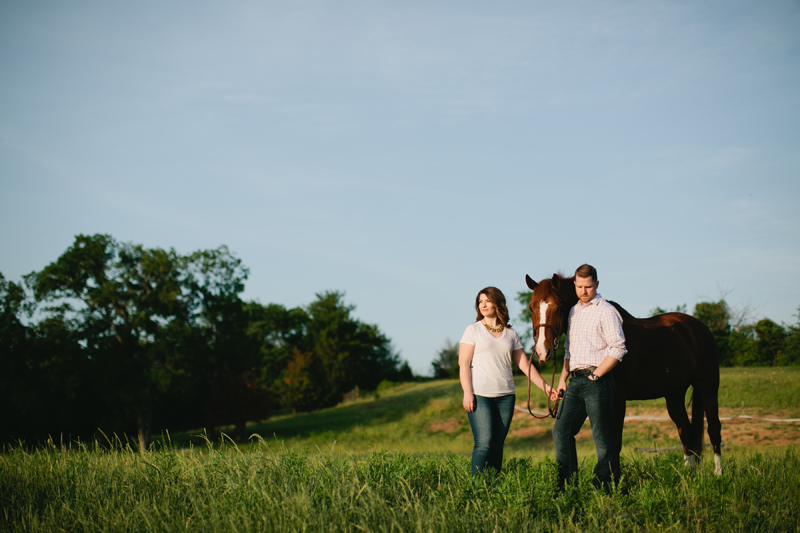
(666, 354)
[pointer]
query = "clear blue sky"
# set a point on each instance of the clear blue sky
(411, 153)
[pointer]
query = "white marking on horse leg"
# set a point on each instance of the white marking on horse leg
(688, 460)
(717, 464)
(541, 350)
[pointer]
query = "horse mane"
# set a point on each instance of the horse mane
(545, 288)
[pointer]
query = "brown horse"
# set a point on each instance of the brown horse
(666, 354)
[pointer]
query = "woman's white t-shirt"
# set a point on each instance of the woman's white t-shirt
(491, 362)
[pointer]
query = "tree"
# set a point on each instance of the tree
(138, 310)
(717, 315)
(446, 364)
(741, 344)
(770, 344)
(791, 354)
(295, 383)
(346, 351)
(15, 369)
(660, 310)
(274, 332)
(525, 316)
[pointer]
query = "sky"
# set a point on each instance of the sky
(412, 153)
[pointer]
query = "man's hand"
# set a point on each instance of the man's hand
(562, 387)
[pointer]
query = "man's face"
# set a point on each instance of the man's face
(585, 288)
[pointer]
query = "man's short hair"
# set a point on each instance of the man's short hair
(587, 271)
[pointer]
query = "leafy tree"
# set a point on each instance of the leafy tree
(45, 379)
(138, 310)
(791, 353)
(717, 316)
(770, 343)
(274, 332)
(742, 346)
(446, 364)
(295, 382)
(346, 351)
(660, 310)
(525, 317)
(15, 369)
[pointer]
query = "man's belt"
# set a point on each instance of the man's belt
(583, 371)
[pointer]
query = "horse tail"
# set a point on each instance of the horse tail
(698, 419)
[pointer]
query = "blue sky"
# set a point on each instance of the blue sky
(411, 153)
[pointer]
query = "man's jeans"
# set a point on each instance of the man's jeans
(595, 399)
(490, 422)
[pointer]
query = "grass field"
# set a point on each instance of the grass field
(428, 417)
(400, 462)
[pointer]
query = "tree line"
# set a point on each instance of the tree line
(127, 339)
(739, 342)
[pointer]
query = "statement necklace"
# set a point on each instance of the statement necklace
(498, 329)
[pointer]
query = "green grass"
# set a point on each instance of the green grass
(400, 419)
(760, 389)
(380, 464)
(268, 488)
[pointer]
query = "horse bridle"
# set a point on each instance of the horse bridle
(552, 406)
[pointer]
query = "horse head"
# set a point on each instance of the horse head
(550, 304)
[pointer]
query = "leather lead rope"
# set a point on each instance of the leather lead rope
(552, 406)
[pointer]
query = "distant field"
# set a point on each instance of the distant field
(428, 418)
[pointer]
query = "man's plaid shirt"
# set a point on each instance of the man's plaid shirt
(595, 332)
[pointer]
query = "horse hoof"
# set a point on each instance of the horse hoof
(688, 460)
(717, 464)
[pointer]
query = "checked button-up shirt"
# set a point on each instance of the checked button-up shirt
(594, 332)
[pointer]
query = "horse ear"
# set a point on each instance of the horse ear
(530, 283)
(556, 281)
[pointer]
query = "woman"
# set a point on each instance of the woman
(486, 351)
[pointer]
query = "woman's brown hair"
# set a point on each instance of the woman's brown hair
(497, 298)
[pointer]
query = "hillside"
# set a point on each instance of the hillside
(428, 417)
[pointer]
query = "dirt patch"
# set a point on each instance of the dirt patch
(451, 425)
(653, 428)
(646, 428)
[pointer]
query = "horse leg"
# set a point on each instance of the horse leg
(677, 412)
(711, 406)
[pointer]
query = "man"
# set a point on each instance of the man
(595, 345)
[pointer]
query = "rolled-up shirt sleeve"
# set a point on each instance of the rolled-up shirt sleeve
(611, 324)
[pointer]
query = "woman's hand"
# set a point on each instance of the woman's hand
(469, 403)
(552, 393)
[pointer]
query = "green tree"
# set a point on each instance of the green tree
(15, 368)
(742, 346)
(274, 332)
(525, 317)
(137, 311)
(445, 366)
(660, 310)
(346, 351)
(295, 383)
(45, 378)
(771, 340)
(791, 353)
(717, 316)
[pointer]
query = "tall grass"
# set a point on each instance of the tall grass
(266, 488)
(330, 471)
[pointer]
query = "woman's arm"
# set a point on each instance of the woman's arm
(465, 353)
(518, 356)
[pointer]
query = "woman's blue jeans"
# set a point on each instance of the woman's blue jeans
(490, 422)
(594, 399)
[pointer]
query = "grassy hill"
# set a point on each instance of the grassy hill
(428, 418)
